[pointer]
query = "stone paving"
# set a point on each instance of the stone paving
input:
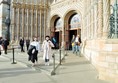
(74, 69)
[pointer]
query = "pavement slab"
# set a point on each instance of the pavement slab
(74, 69)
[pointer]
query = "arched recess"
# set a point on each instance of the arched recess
(72, 26)
(56, 29)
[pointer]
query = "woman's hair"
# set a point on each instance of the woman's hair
(47, 36)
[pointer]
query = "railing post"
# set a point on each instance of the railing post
(53, 72)
(60, 55)
(13, 56)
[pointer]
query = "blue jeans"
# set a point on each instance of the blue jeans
(73, 48)
(77, 48)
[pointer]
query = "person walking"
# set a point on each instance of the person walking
(46, 46)
(33, 51)
(27, 44)
(0, 44)
(73, 43)
(22, 44)
(77, 43)
(54, 42)
(5, 45)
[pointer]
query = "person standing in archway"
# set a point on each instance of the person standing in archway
(73, 43)
(77, 43)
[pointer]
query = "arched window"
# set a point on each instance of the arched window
(75, 21)
(58, 23)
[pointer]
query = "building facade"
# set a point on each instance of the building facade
(91, 20)
(64, 18)
(29, 19)
(3, 14)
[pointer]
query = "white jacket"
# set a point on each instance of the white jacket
(46, 46)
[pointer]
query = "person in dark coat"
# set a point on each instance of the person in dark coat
(0, 44)
(1, 41)
(33, 51)
(54, 42)
(27, 44)
(22, 44)
(5, 45)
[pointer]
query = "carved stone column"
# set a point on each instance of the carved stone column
(44, 22)
(28, 23)
(23, 22)
(92, 23)
(100, 18)
(96, 21)
(40, 24)
(106, 7)
(37, 22)
(18, 26)
(13, 24)
(32, 23)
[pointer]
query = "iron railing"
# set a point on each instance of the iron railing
(62, 53)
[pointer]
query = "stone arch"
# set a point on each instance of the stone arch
(52, 20)
(68, 33)
(55, 32)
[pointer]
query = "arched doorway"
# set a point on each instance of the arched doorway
(72, 27)
(56, 30)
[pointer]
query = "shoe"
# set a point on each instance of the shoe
(48, 64)
(45, 64)
(33, 65)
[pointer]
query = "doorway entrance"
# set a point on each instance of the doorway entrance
(71, 33)
(57, 40)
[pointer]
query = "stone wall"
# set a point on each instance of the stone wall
(103, 54)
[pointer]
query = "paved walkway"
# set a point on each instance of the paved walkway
(74, 69)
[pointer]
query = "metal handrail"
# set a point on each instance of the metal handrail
(54, 61)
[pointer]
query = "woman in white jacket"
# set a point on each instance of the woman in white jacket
(46, 46)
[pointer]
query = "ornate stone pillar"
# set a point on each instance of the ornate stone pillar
(85, 20)
(28, 23)
(32, 23)
(100, 18)
(96, 21)
(44, 22)
(92, 23)
(40, 23)
(106, 7)
(23, 10)
(18, 27)
(37, 22)
(13, 24)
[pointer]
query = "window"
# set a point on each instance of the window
(74, 21)
(58, 23)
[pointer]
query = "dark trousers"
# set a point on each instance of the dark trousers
(46, 60)
(34, 57)
(5, 49)
(22, 50)
(27, 47)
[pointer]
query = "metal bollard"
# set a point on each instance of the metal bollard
(60, 56)
(53, 72)
(13, 57)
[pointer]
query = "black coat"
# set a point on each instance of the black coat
(5, 43)
(21, 42)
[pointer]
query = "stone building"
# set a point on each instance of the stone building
(64, 18)
(3, 14)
